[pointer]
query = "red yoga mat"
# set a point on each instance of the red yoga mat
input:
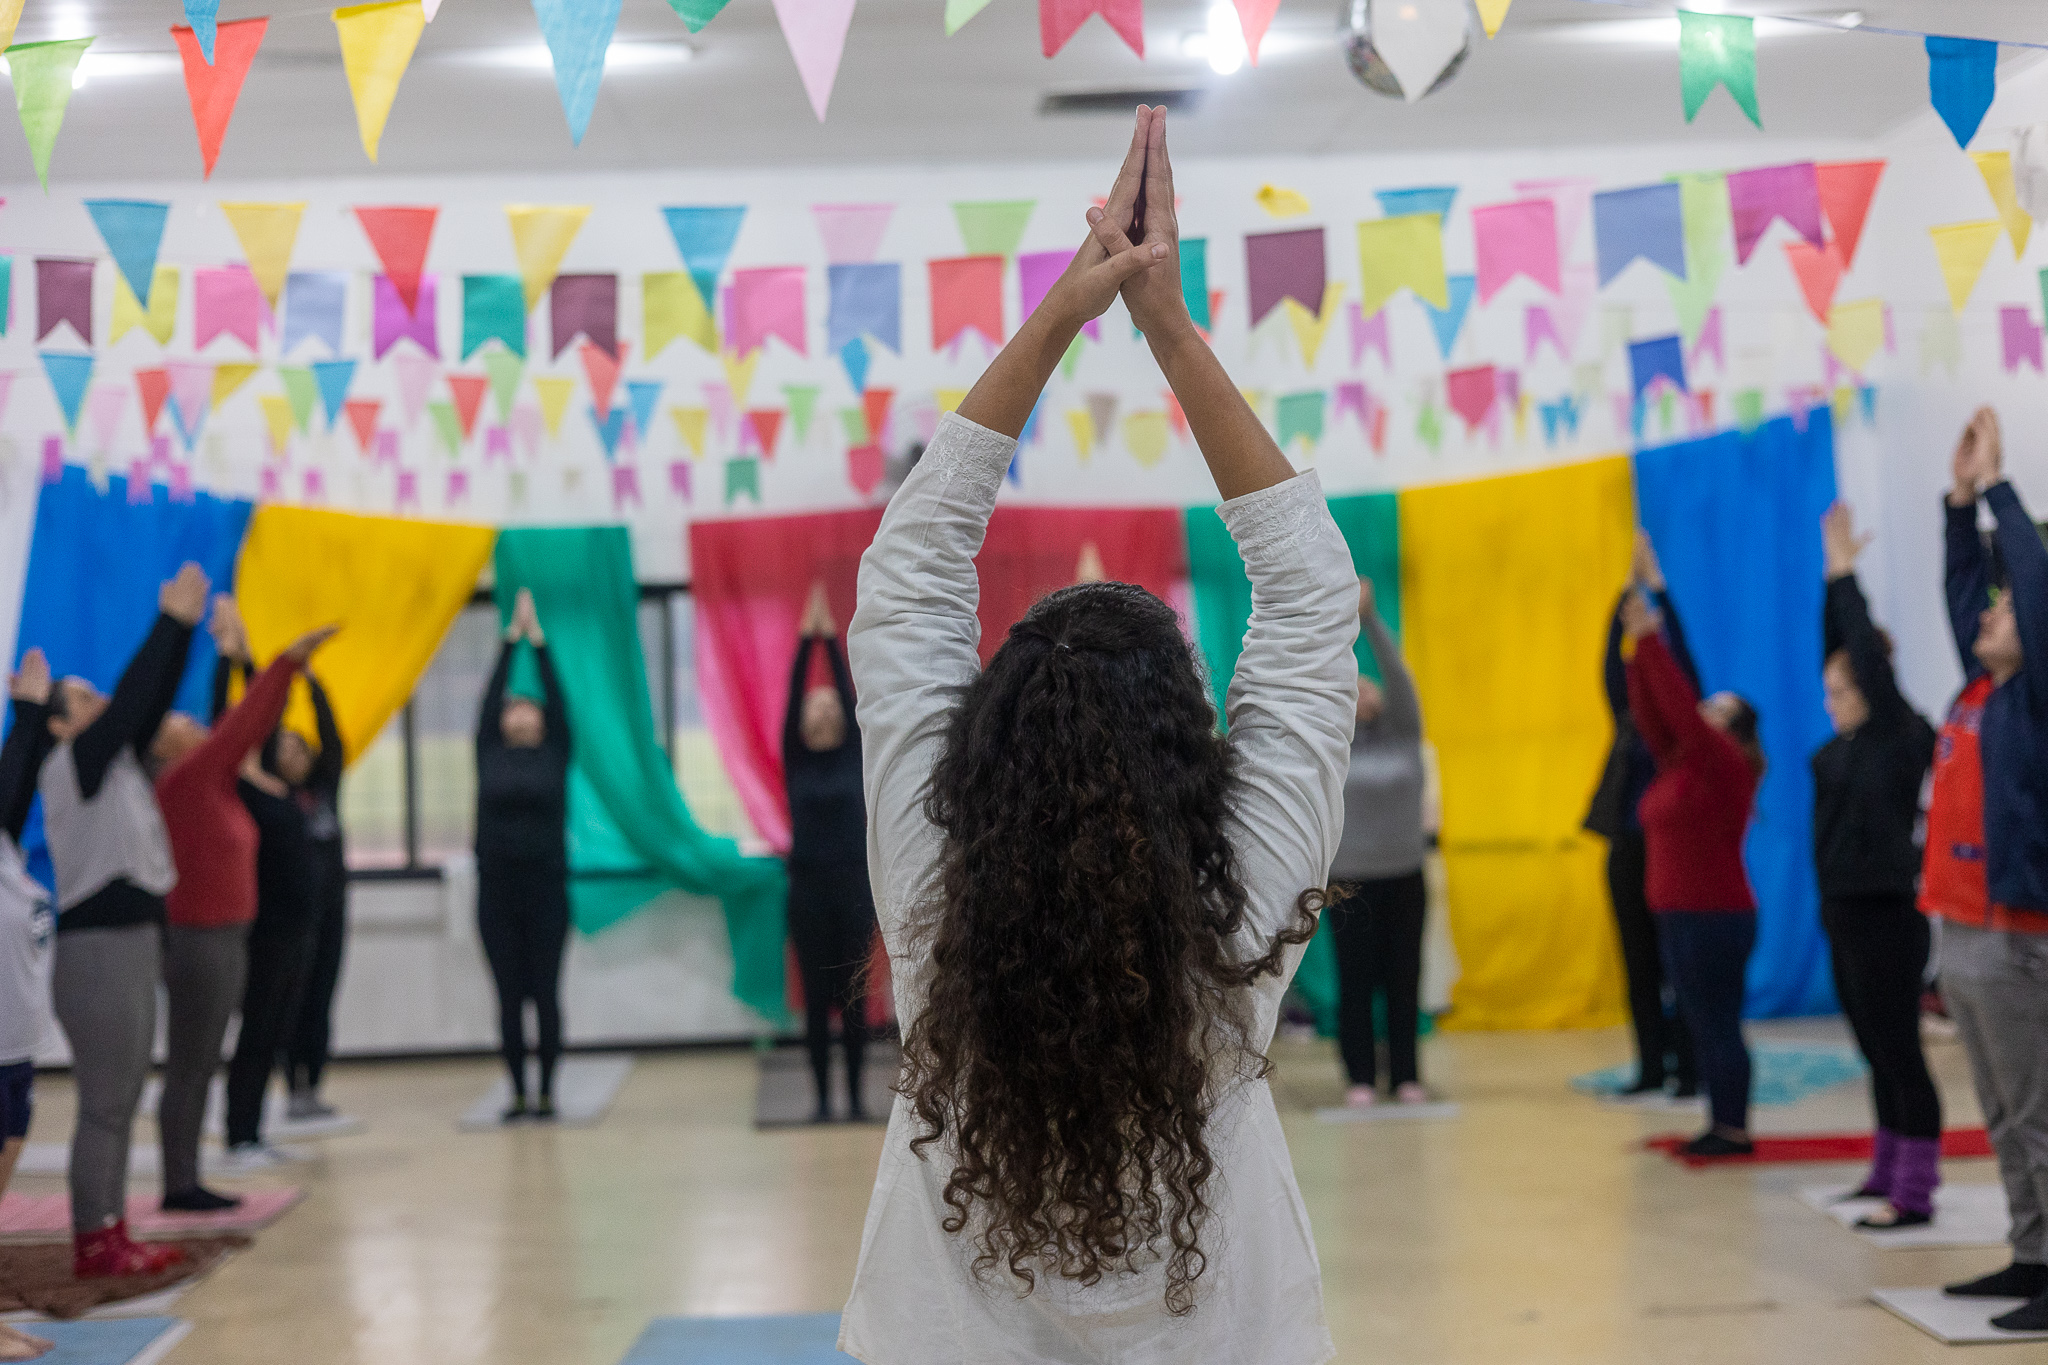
(1956, 1142)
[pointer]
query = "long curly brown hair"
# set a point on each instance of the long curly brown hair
(1083, 1005)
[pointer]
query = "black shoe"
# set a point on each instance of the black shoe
(199, 1199)
(1687, 1090)
(1887, 1219)
(1860, 1192)
(516, 1111)
(545, 1110)
(1713, 1144)
(2020, 1280)
(1643, 1088)
(2031, 1316)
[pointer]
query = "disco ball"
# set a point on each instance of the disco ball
(1405, 48)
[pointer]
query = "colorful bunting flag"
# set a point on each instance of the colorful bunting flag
(191, 399)
(1369, 334)
(1310, 327)
(852, 232)
(577, 34)
(704, 236)
(690, 423)
(1755, 197)
(1403, 251)
(2020, 339)
(1472, 394)
(63, 294)
(69, 374)
(161, 318)
(766, 302)
(1283, 265)
(133, 229)
(586, 305)
(1962, 249)
(392, 322)
(601, 369)
(1818, 273)
(1717, 49)
(853, 357)
(301, 390)
(1962, 80)
(1996, 168)
(334, 377)
(1298, 419)
(1646, 222)
(505, 369)
(1518, 238)
(227, 377)
(448, 427)
(10, 16)
(42, 75)
(815, 31)
(1058, 19)
(766, 426)
(468, 392)
(958, 12)
(277, 418)
(267, 232)
(554, 396)
(1846, 188)
(377, 43)
(1281, 203)
(1449, 321)
(697, 13)
(213, 81)
(1416, 199)
(865, 300)
(541, 234)
(315, 306)
(399, 234)
(966, 292)
(671, 307)
(1855, 331)
(643, 394)
(1492, 14)
(1657, 358)
(493, 309)
(993, 227)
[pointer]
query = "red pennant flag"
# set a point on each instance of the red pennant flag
(1819, 273)
(213, 87)
(362, 415)
(1255, 17)
(153, 386)
(767, 426)
(967, 291)
(875, 403)
(399, 236)
(1057, 20)
(1846, 188)
(602, 369)
(469, 391)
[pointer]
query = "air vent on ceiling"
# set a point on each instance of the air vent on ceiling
(1117, 101)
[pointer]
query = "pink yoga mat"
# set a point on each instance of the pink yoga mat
(49, 1215)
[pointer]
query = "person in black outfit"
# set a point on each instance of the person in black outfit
(831, 908)
(1661, 1039)
(1866, 801)
(315, 776)
(522, 857)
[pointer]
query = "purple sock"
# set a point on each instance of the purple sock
(1884, 1164)
(1916, 1175)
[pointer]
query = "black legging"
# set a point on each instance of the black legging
(307, 1042)
(1658, 1034)
(522, 914)
(280, 948)
(1879, 945)
(1377, 930)
(832, 925)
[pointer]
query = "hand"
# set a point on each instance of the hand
(1990, 447)
(302, 648)
(1841, 543)
(525, 619)
(1978, 459)
(818, 620)
(1107, 259)
(31, 682)
(256, 775)
(1158, 305)
(1365, 597)
(230, 639)
(1638, 617)
(1647, 572)
(183, 598)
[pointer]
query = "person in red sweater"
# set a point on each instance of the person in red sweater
(213, 842)
(1694, 817)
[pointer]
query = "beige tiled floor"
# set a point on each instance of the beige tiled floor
(1525, 1231)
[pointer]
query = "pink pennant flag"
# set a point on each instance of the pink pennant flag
(227, 300)
(1538, 326)
(1492, 424)
(416, 375)
(863, 467)
(1578, 285)
(527, 425)
(852, 232)
(1509, 384)
(1624, 413)
(315, 484)
(458, 486)
(407, 493)
(625, 485)
(1831, 368)
(1058, 20)
(387, 451)
(160, 452)
(1369, 334)
(53, 459)
(816, 33)
(269, 486)
(181, 482)
(1351, 398)
(2021, 337)
(498, 442)
(1709, 342)
(103, 413)
(1573, 198)
(766, 303)
(139, 489)
(718, 401)
(1515, 239)
(1756, 197)
(192, 391)
(679, 479)
(392, 322)
(1472, 393)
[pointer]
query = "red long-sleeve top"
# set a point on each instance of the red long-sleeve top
(213, 838)
(1696, 812)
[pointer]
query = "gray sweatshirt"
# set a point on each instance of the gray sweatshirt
(1383, 789)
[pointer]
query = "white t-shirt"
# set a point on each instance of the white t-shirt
(26, 925)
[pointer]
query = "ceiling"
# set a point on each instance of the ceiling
(476, 99)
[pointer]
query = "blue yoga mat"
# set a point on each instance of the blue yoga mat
(102, 1341)
(1782, 1073)
(793, 1339)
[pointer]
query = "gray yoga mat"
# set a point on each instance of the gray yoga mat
(585, 1086)
(1964, 1216)
(785, 1096)
(1952, 1322)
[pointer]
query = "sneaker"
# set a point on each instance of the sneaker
(2031, 1316)
(199, 1199)
(1712, 1144)
(1411, 1092)
(305, 1105)
(1361, 1097)
(109, 1254)
(2020, 1280)
(242, 1158)
(1889, 1217)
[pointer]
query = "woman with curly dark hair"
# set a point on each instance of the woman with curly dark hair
(1093, 901)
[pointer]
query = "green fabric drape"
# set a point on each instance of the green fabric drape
(1371, 523)
(630, 835)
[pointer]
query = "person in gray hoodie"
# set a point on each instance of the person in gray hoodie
(1377, 926)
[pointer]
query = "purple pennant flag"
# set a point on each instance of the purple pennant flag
(181, 482)
(1350, 398)
(63, 294)
(625, 485)
(1284, 265)
(316, 486)
(1789, 192)
(53, 459)
(407, 494)
(160, 451)
(387, 449)
(497, 443)
(1369, 334)
(139, 490)
(1538, 326)
(588, 304)
(458, 486)
(1646, 221)
(270, 488)
(1709, 343)
(2021, 337)
(391, 321)
(679, 479)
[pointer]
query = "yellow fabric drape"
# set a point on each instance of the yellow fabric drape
(393, 585)
(1507, 585)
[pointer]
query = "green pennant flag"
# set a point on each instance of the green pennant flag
(803, 401)
(42, 75)
(493, 307)
(1429, 425)
(447, 425)
(742, 475)
(1749, 410)
(696, 13)
(993, 227)
(505, 370)
(1709, 227)
(855, 423)
(958, 12)
(302, 390)
(1717, 49)
(6, 292)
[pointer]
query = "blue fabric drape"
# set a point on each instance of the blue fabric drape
(1736, 520)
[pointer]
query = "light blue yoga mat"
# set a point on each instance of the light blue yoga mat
(1781, 1073)
(107, 1341)
(793, 1339)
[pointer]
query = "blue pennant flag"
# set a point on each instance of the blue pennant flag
(201, 14)
(133, 229)
(704, 235)
(333, 376)
(69, 374)
(854, 356)
(1647, 221)
(1962, 78)
(1649, 361)
(577, 32)
(643, 394)
(315, 302)
(1560, 417)
(608, 428)
(866, 300)
(1434, 199)
(1450, 321)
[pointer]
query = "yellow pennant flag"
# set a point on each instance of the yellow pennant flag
(1310, 328)
(541, 234)
(690, 425)
(1493, 13)
(739, 373)
(554, 401)
(267, 232)
(949, 400)
(10, 15)
(162, 316)
(1145, 433)
(1962, 249)
(277, 413)
(1996, 168)
(229, 376)
(1855, 331)
(1082, 424)
(1406, 251)
(1282, 203)
(376, 45)
(671, 307)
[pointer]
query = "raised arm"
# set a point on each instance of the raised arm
(490, 733)
(554, 703)
(1664, 704)
(1846, 623)
(327, 769)
(1614, 667)
(2026, 577)
(1967, 572)
(148, 685)
(249, 721)
(792, 715)
(842, 683)
(28, 742)
(1401, 709)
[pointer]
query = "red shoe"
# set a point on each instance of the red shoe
(109, 1254)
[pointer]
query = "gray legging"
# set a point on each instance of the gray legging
(104, 990)
(203, 974)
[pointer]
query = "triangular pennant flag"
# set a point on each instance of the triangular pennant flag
(641, 396)
(875, 405)
(204, 17)
(1996, 168)
(1962, 80)
(1310, 328)
(554, 396)
(803, 402)
(1962, 249)
(133, 229)
(191, 399)
(1082, 425)
(671, 307)
(704, 236)
(303, 390)
(1818, 272)
(1846, 188)
(601, 368)
(1448, 322)
(42, 75)
(333, 377)
(1717, 49)
(690, 424)
(993, 227)
(739, 373)
(505, 369)
(1058, 19)
(1492, 14)
(1254, 17)
(152, 386)
(69, 375)
(852, 232)
(468, 391)
(609, 429)
(541, 234)
(697, 13)
(958, 12)
(854, 357)
(162, 317)
(1281, 202)
(227, 377)
(377, 43)
(446, 425)
(277, 417)
(766, 424)
(267, 232)
(362, 419)
(399, 235)
(577, 34)
(816, 33)
(1855, 331)
(212, 85)
(10, 16)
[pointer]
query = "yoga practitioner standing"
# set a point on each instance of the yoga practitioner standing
(1378, 923)
(25, 929)
(1866, 802)
(315, 774)
(1695, 815)
(522, 857)
(1092, 900)
(831, 908)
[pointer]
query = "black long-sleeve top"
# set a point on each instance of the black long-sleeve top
(319, 796)
(828, 815)
(284, 848)
(1630, 767)
(21, 758)
(1866, 783)
(522, 792)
